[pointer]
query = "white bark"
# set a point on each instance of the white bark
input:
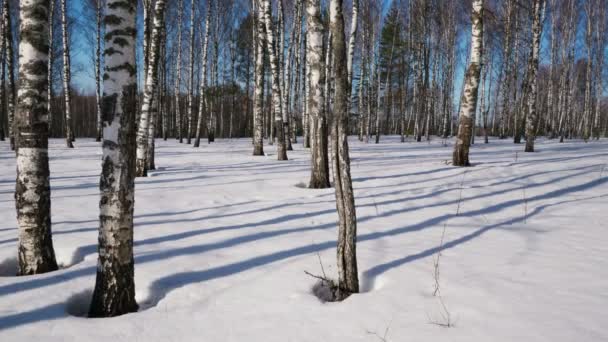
(10, 76)
(32, 191)
(202, 102)
(98, 91)
(276, 81)
(114, 292)
(319, 177)
(190, 115)
(348, 281)
(146, 121)
(468, 104)
(69, 134)
(258, 97)
(532, 75)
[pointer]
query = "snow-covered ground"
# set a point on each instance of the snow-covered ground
(222, 240)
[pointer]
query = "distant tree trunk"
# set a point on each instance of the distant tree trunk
(362, 78)
(506, 72)
(10, 76)
(2, 78)
(348, 281)
(191, 77)
(319, 177)
(217, 101)
(297, 17)
(589, 12)
(32, 191)
(146, 121)
(352, 41)
(202, 102)
(258, 105)
(551, 87)
(69, 135)
(600, 38)
(178, 72)
(98, 93)
(114, 292)
(276, 85)
(306, 81)
(532, 75)
(468, 103)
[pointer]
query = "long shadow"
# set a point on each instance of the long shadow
(65, 276)
(161, 287)
(377, 270)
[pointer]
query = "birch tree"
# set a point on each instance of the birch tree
(348, 281)
(98, 94)
(190, 115)
(202, 102)
(67, 75)
(148, 108)
(319, 176)
(276, 83)
(468, 102)
(114, 292)
(538, 7)
(10, 76)
(32, 191)
(590, 13)
(258, 97)
(178, 72)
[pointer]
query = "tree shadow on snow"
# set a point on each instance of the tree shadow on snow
(159, 288)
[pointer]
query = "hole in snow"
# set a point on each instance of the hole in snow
(327, 291)
(9, 267)
(78, 304)
(369, 283)
(70, 257)
(301, 185)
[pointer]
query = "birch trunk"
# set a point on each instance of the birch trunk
(319, 176)
(507, 71)
(69, 135)
(348, 281)
(202, 102)
(10, 76)
(352, 41)
(212, 119)
(551, 87)
(98, 93)
(32, 191)
(114, 292)
(289, 75)
(178, 73)
(2, 77)
(600, 38)
(148, 109)
(589, 11)
(258, 99)
(191, 76)
(276, 83)
(468, 103)
(532, 75)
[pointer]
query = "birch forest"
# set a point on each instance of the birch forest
(256, 153)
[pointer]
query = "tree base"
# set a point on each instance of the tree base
(258, 150)
(327, 290)
(316, 183)
(140, 168)
(114, 293)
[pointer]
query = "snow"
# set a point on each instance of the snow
(223, 239)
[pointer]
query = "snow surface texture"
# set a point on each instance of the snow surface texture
(222, 240)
